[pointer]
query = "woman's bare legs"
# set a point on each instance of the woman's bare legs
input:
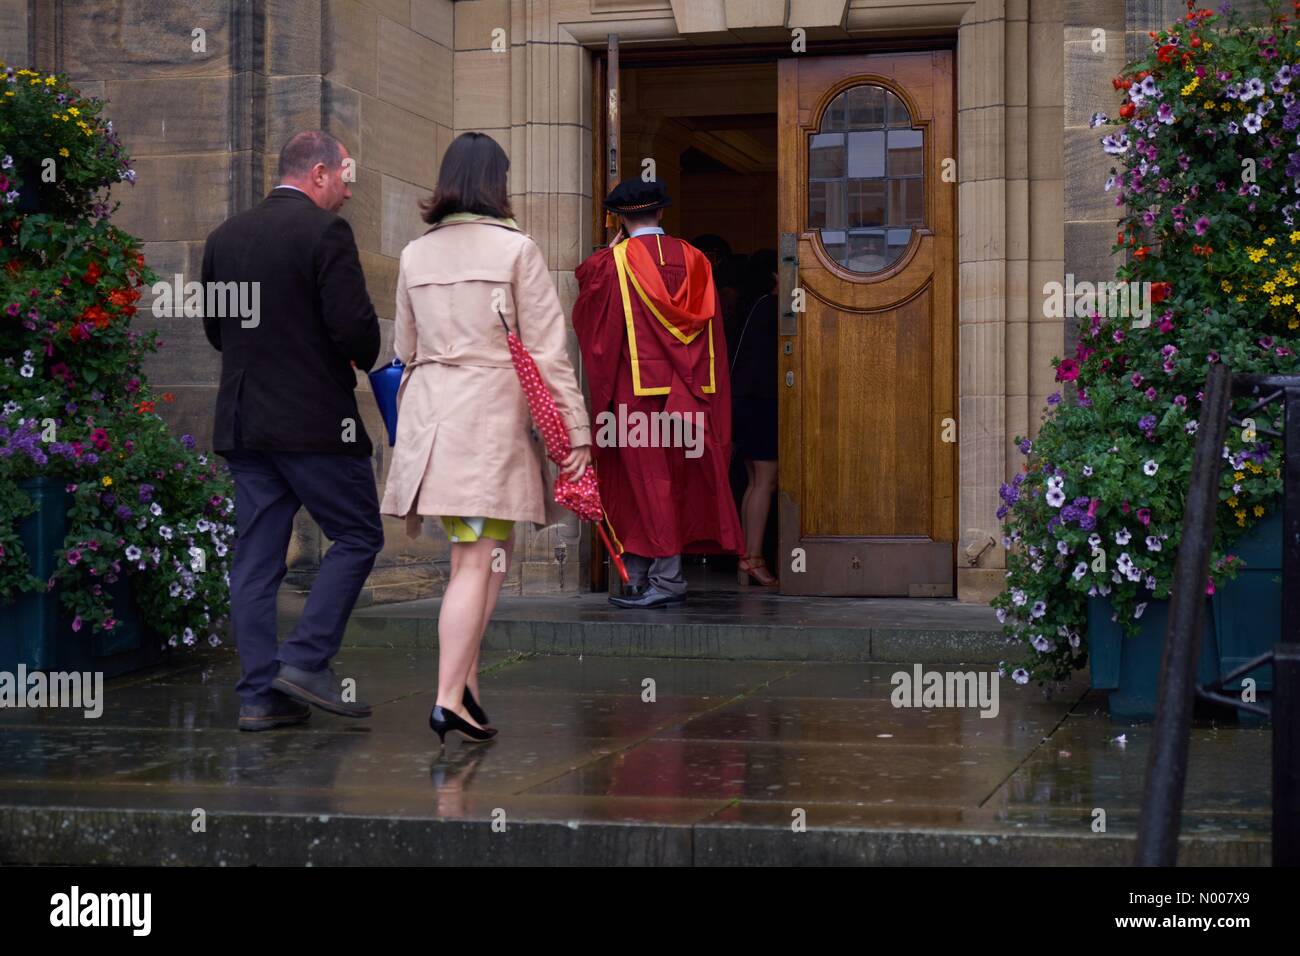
(461, 621)
(756, 504)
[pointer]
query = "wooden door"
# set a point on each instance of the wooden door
(867, 407)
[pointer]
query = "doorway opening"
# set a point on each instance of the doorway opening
(709, 133)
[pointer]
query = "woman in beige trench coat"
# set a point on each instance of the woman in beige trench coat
(465, 452)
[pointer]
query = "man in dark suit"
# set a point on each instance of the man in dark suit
(287, 424)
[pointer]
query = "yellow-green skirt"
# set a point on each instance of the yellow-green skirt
(469, 530)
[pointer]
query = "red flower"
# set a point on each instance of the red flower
(97, 315)
(1120, 83)
(92, 274)
(1127, 110)
(1141, 253)
(1067, 370)
(1160, 291)
(1164, 53)
(169, 397)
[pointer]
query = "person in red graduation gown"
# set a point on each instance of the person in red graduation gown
(649, 325)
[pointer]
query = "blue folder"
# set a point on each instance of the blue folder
(384, 383)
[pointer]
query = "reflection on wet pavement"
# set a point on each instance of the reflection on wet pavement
(615, 739)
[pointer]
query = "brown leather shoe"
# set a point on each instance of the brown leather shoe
(282, 712)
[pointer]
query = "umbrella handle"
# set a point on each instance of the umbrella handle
(613, 555)
(502, 317)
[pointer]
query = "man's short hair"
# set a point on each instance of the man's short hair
(305, 150)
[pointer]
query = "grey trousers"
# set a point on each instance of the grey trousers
(663, 573)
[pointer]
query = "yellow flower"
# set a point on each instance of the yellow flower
(106, 480)
(74, 111)
(1238, 476)
(1241, 517)
(50, 80)
(1269, 241)
(1259, 511)
(1269, 287)
(1275, 300)
(1254, 468)
(1294, 323)
(1232, 502)
(1210, 46)
(63, 151)
(1190, 87)
(1295, 237)
(1225, 285)
(9, 92)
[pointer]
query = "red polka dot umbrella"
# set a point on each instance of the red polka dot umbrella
(581, 496)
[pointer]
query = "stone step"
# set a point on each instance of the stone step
(152, 836)
(716, 625)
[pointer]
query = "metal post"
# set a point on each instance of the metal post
(1162, 797)
(1286, 657)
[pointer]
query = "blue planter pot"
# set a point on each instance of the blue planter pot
(1129, 667)
(36, 631)
(1248, 609)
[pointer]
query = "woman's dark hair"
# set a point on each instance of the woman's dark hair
(472, 179)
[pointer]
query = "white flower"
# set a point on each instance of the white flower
(1094, 539)
(1124, 563)
(1103, 589)
(1055, 497)
(132, 553)
(1151, 582)
(221, 550)
(1137, 611)
(1080, 570)
(1002, 615)
(1134, 573)
(166, 532)
(202, 525)
(1074, 639)
(1039, 609)
(1153, 543)
(1020, 675)
(1018, 598)
(1254, 87)
(1098, 119)
(155, 509)
(1150, 468)
(1041, 644)
(1253, 123)
(1122, 536)
(1087, 471)
(188, 594)
(27, 371)
(189, 637)
(11, 407)
(214, 640)
(1063, 547)
(27, 356)
(1190, 427)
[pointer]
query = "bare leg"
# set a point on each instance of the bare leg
(460, 621)
(757, 503)
(745, 500)
(498, 578)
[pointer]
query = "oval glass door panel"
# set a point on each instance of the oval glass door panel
(866, 179)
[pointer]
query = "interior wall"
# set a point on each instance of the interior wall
(739, 207)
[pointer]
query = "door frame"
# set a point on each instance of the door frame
(684, 53)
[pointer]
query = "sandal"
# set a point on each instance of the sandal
(756, 568)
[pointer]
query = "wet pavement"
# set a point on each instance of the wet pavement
(719, 768)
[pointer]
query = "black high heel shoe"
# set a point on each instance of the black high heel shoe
(476, 713)
(442, 720)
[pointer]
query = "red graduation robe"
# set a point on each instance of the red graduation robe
(650, 329)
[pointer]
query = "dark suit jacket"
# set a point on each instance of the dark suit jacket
(286, 382)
